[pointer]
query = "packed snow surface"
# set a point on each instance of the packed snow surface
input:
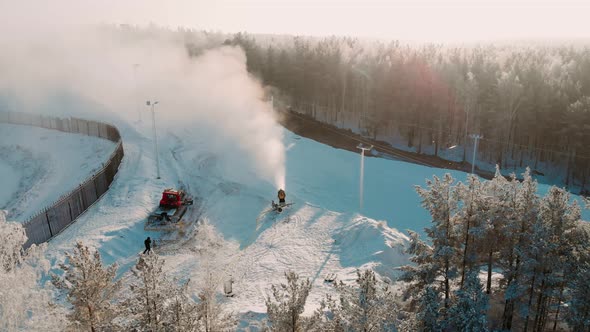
(38, 165)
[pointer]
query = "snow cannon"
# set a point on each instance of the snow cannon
(281, 194)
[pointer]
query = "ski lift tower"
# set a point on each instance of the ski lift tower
(476, 138)
(363, 148)
(153, 105)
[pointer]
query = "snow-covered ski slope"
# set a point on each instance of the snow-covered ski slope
(323, 233)
(38, 165)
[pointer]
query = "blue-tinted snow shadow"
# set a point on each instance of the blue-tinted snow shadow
(251, 321)
(124, 246)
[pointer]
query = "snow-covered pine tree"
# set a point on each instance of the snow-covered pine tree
(158, 303)
(470, 220)
(210, 312)
(533, 262)
(499, 218)
(524, 205)
(423, 272)
(550, 256)
(367, 306)
(90, 288)
(469, 311)
(146, 306)
(11, 246)
(181, 310)
(407, 322)
(24, 304)
(578, 311)
(440, 199)
(287, 304)
(330, 320)
(211, 249)
(428, 314)
(577, 291)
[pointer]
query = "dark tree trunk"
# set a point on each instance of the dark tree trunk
(530, 303)
(489, 283)
(509, 304)
(447, 286)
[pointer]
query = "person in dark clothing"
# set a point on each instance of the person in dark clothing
(148, 245)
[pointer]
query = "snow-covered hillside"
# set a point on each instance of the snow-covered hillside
(38, 165)
(323, 233)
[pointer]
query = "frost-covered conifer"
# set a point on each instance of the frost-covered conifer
(428, 317)
(146, 308)
(158, 303)
(287, 304)
(498, 224)
(211, 249)
(578, 311)
(440, 199)
(369, 305)
(210, 312)
(524, 206)
(471, 220)
(407, 322)
(25, 305)
(11, 247)
(549, 258)
(90, 288)
(424, 271)
(181, 310)
(468, 312)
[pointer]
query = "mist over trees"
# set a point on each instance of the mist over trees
(531, 103)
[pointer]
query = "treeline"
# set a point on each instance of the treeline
(533, 250)
(530, 103)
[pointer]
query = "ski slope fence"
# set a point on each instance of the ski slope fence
(50, 221)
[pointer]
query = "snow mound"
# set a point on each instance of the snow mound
(368, 243)
(315, 243)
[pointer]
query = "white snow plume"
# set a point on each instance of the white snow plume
(120, 68)
(232, 102)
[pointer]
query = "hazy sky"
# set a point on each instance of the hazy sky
(443, 20)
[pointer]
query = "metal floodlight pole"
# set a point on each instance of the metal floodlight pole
(135, 66)
(362, 175)
(476, 138)
(155, 134)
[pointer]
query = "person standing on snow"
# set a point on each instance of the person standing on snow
(148, 247)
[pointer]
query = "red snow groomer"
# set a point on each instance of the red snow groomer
(173, 199)
(172, 207)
